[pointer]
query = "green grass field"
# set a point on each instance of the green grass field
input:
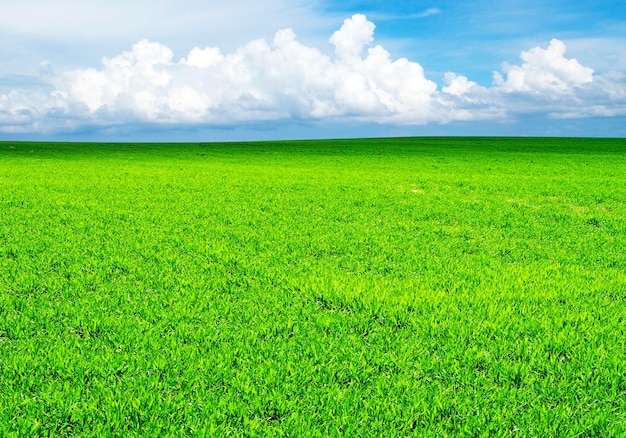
(417, 286)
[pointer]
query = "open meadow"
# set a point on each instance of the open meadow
(381, 287)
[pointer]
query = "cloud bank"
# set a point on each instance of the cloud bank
(285, 80)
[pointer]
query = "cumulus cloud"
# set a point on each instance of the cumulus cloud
(546, 82)
(545, 72)
(259, 81)
(354, 35)
(285, 79)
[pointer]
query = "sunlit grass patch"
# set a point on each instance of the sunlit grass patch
(440, 286)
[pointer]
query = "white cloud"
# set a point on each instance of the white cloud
(259, 81)
(547, 82)
(457, 85)
(544, 72)
(605, 54)
(285, 79)
(354, 35)
(203, 58)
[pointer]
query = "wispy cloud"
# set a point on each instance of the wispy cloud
(394, 17)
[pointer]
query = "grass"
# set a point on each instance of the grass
(424, 286)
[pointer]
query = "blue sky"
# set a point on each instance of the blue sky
(192, 70)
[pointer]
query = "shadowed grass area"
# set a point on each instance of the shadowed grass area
(427, 286)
